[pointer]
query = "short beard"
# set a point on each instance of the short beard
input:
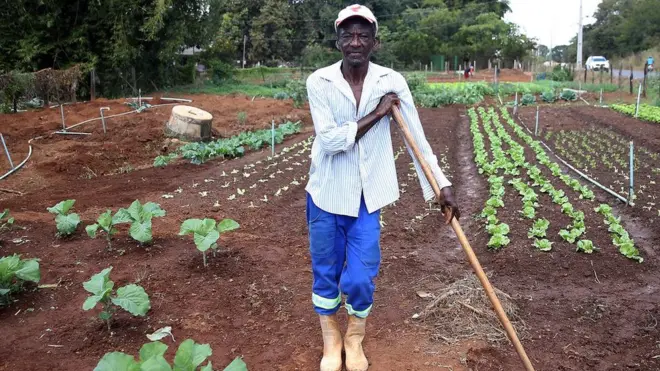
(356, 63)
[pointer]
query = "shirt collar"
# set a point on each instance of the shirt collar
(333, 72)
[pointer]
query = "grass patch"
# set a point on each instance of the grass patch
(229, 89)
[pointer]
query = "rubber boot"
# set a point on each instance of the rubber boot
(332, 345)
(355, 358)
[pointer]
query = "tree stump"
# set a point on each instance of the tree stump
(189, 123)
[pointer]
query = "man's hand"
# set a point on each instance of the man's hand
(386, 103)
(448, 205)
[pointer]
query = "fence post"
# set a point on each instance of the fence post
(272, 146)
(536, 129)
(639, 96)
(11, 163)
(515, 105)
(593, 77)
(92, 84)
(103, 118)
(646, 69)
(585, 75)
(62, 112)
(632, 161)
(601, 76)
(631, 84)
(611, 75)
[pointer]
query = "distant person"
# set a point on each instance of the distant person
(467, 71)
(650, 61)
(471, 69)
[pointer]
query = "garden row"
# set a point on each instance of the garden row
(436, 95)
(508, 159)
(646, 112)
(200, 152)
(16, 272)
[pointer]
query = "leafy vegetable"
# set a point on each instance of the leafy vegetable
(495, 202)
(539, 228)
(543, 245)
(188, 357)
(139, 216)
(569, 236)
(200, 152)
(66, 222)
(586, 246)
(165, 160)
(568, 95)
(6, 220)
(529, 212)
(646, 112)
(14, 272)
(106, 222)
(498, 241)
(502, 228)
(604, 209)
(548, 96)
(528, 100)
(206, 232)
(132, 298)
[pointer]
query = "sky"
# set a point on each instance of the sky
(551, 21)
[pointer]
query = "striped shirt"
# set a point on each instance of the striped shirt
(343, 170)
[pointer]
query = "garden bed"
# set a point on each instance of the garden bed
(132, 141)
(253, 300)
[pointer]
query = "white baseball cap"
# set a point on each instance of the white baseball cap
(356, 10)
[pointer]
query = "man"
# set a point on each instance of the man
(649, 62)
(352, 176)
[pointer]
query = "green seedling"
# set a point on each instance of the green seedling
(206, 232)
(65, 221)
(132, 298)
(14, 272)
(188, 357)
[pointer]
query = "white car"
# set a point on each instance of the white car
(597, 63)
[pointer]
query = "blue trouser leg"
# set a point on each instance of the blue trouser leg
(334, 241)
(327, 246)
(362, 261)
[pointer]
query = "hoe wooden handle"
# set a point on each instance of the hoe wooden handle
(474, 262)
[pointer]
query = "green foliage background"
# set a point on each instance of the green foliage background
(143, 38)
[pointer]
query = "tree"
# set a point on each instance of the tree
(270, 34)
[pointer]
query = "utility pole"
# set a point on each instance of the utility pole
(579, 41)
(244, 42)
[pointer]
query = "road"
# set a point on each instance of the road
(626, 73)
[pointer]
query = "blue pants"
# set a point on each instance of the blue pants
(345, 254)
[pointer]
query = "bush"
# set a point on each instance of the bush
(281, 95)
(16, 86)
(528, 100)
(568, 95)
(415, 80)
(297, 90)
(561, 74)
(317, 56)
(220, 71)
(548, 96)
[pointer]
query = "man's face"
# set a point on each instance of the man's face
(356, 41)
